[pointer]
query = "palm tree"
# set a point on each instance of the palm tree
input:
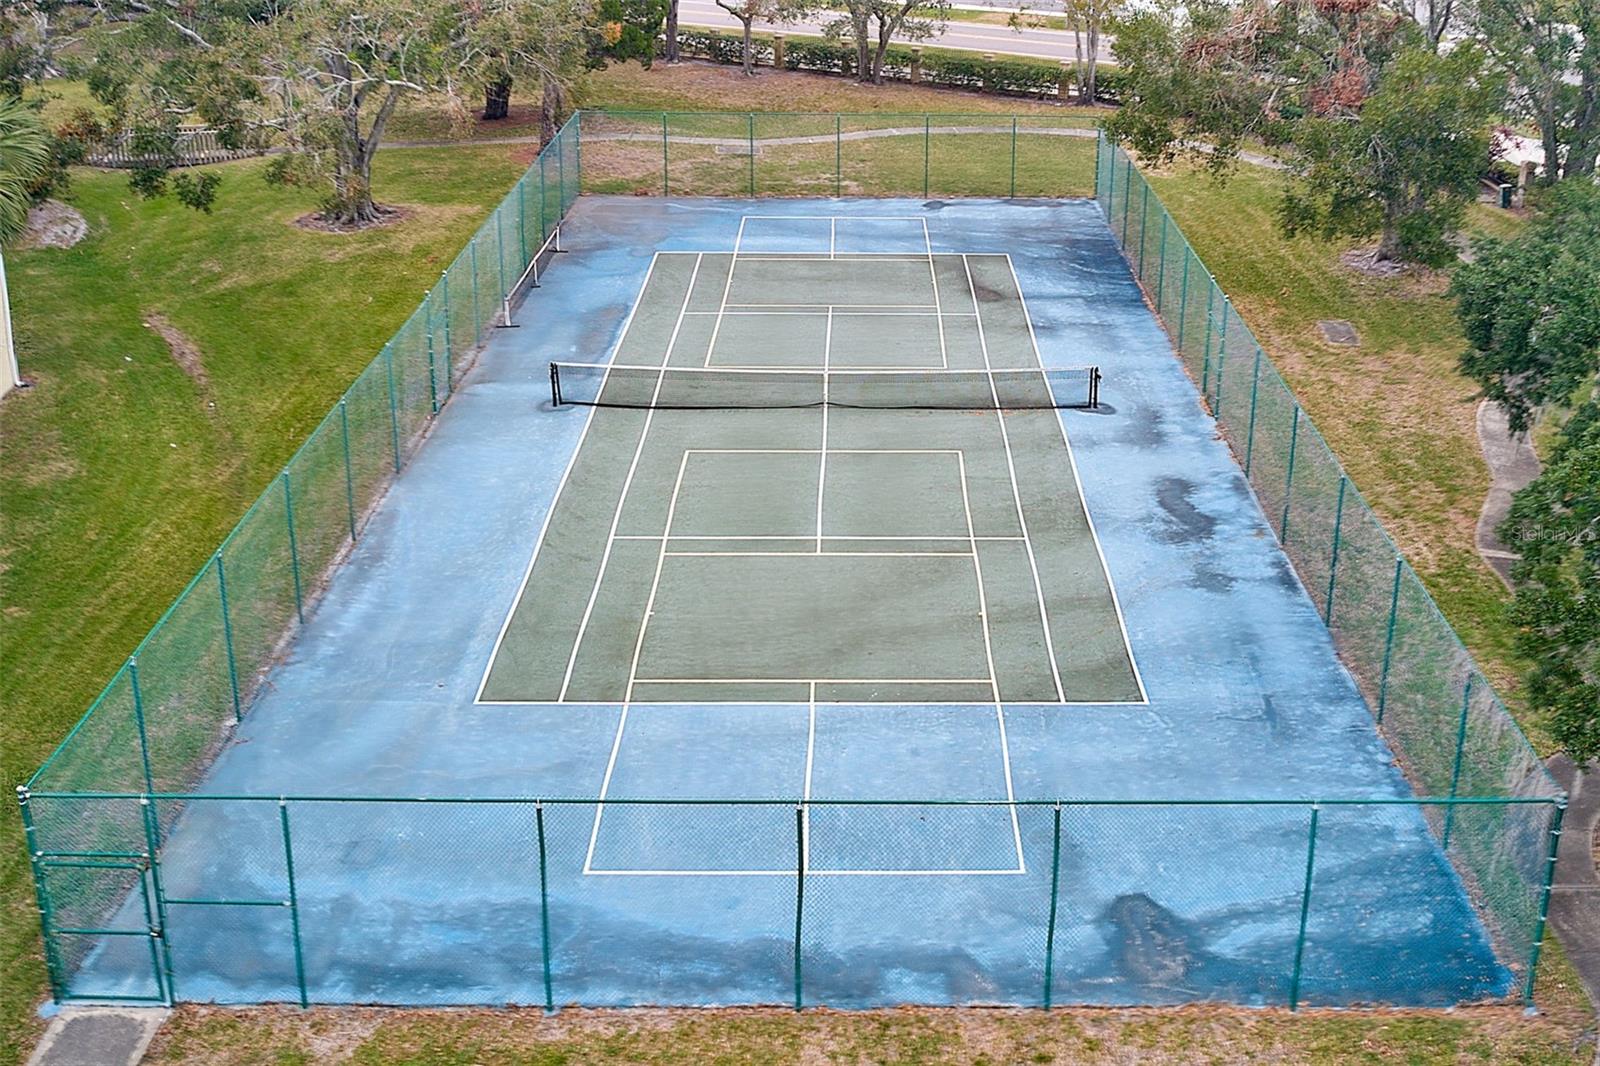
(24, 159)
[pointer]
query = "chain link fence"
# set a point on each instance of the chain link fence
(150, 891)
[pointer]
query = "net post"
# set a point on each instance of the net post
(433, 384)
(1455, 771)
(138, 719)
(1013, 157)
(1183, 300)
(838, 156)
(665, 186)
(1388, 640)
(394, 409)
(927, 144)
(1544, 902)
(1250, 434)
(555, 386)
(1205, 363)
(293, 903)
(1288, 481)
(750, 130)
(1305, 911)
(294, 549)
(544, 911)
(151, 834)
(1050, 928)
(1333, 562)
(1161, 265)
(227, 635)
(349, 471)
(1094, 386)
(52, 958)
(799, 896)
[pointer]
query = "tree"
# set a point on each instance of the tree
(26, 158)
(1087, 19)
(874, 24)
(1405, 165)
(672, 31)
(327, 75)
(1550, 52)
(748, 11)
(1555, 522)
(1530, 306)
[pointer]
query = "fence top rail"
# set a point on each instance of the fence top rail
(1083, 122)
(1559, 800)
(1432, 605)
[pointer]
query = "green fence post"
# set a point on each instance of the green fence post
(349, 470)
(52, 958)
(394, 408)
(1099, 150)
(1544, 902)
(433, 385)
(138, 718)
(1333, 562)
(751, 130)
(665, 185)
(799, 895)
(522, 228)
(1111, 181)
(1388, 640)
(152, 833)
(1144, 216)
(1305, 911)
(1050, 929)
(1455, 771)
(838, 156)
(1250, 434)
(1288, 481)
(1161, 266)
(294, 550)
(500, 251)
(1222, 357)
(544, 912)
(1127, 201)
(227, 636)
(927, 144)
(1013, 157)
(449, 361)
(294, 903)
(472, 255)
(1183, 300)
(1205, 362)
(561, 177)
(544, 223)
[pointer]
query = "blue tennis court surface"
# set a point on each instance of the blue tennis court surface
(1211, 675)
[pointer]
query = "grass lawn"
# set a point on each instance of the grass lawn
(1395, 409)
(130, 458)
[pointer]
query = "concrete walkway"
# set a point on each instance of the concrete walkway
(1575, 897)
(98, 1036)
(1512, 465)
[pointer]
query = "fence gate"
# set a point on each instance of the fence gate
(101, 932)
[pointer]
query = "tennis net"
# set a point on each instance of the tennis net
(729, 388)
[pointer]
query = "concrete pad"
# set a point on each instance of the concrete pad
(98, 1036)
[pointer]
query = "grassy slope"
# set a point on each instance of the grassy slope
(1396, 410)
(120, 471)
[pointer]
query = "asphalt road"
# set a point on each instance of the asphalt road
(968, 36)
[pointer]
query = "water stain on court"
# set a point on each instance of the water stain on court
(1184, 523)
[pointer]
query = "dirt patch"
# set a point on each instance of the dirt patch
(185, 352)
(1423, 280)
(387, 216)
(53, 224)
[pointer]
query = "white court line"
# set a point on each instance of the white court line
(927, 241)
(822, 465)
(833, 225)
(929, 313)
(804, 536)
(933, 275)
(1144, 695)
(977, 705)
(805, 793)
(830, 555)
(727, 286)
(655, 583)
(627, 484)
(879, 308)
(527, 571)
(1016, 493)
(809, 872)
(988, 650)
(819, 681)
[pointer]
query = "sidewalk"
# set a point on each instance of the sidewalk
(1575, 896)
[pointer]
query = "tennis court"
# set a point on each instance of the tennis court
(863, 611)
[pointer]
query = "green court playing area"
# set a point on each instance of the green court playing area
(819, 476)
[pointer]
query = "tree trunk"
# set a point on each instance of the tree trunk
(672, 31)
(1089, 92)
(550, 104)
(497, 100)
(1389, 243)
(1584, 145)
(860, 25)
(749, 51)
(880, 53)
